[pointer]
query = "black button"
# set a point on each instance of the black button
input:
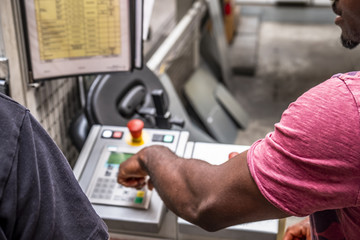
(157, 138)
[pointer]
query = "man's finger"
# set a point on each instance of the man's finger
(131, 182)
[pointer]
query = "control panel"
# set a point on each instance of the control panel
(97, 167)
(104, 188)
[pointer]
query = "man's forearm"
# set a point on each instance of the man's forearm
(176, 180)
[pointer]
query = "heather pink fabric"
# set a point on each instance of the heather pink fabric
(311, 162)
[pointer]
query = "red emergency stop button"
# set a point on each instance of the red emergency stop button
(135, 127)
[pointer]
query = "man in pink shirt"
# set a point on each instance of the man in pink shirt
(309, 165)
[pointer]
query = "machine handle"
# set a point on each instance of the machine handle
(159, 101)
(177, 121)
(132, 100)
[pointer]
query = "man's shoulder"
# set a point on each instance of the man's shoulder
(7, 101)
(349, 78)
(352, 82)
(348, 75)
(10, 109)
(12, 115)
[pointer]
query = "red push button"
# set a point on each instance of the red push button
(135, 127)
(117, 134)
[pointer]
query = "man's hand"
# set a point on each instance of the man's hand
(132, 174)
(299, 231)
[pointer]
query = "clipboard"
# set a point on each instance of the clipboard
(72, 38)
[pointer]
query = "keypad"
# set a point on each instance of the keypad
(103, 188)
(107, 190)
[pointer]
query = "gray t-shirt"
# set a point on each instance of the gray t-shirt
(39, 195)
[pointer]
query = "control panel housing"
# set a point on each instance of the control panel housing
(122, 208)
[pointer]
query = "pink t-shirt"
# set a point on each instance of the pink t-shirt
(311, 162)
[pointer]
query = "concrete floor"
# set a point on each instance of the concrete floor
(293, 56)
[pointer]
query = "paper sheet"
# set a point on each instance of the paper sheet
(76, 37)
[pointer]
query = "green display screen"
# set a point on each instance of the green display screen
(118, 157)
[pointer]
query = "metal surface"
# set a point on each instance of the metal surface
(172, 42)
(85, 153)
(177, 109)
(231, 106)
(199, 91)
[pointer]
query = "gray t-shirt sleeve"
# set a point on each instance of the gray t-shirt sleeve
(39, 195)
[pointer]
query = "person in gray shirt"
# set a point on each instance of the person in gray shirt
(39, 195)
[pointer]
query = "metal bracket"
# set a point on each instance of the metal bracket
(4, 75)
